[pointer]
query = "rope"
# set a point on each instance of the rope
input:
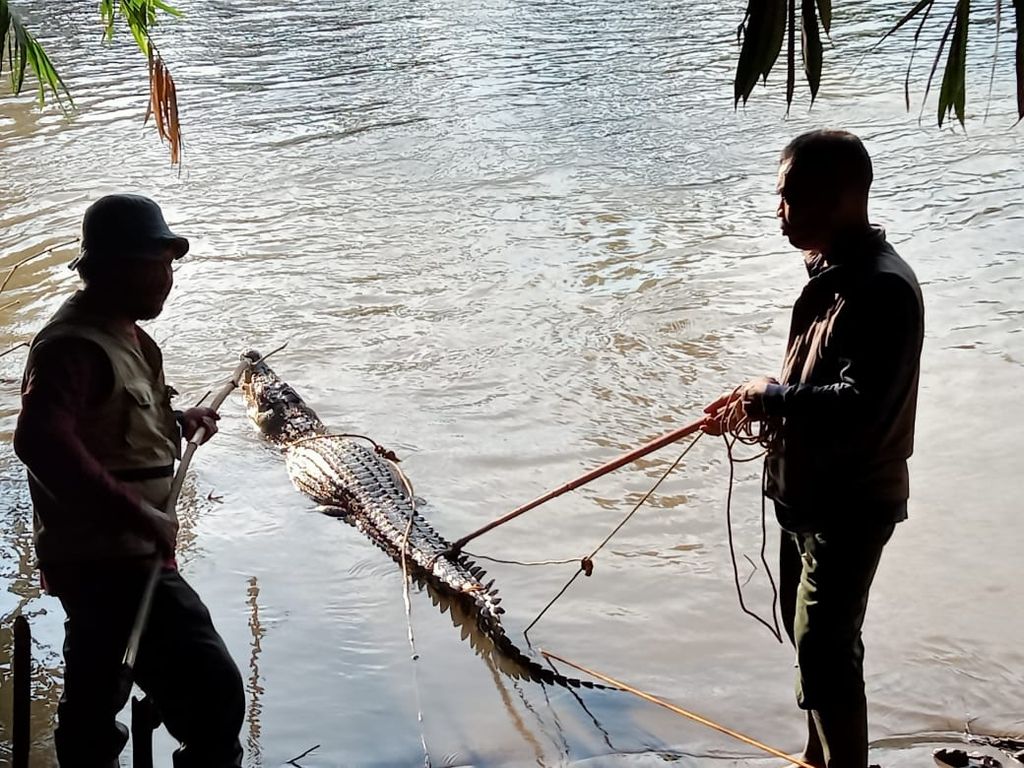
(743, 432)
(586, 563)
(680, 711)
(407, 484)
(527, 563)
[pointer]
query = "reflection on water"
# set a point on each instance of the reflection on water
(510, 241)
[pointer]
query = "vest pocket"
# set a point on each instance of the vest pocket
(145, 430)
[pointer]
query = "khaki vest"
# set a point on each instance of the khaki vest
(134, 429)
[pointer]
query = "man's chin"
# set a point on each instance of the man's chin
(797, 241)
(148, 313)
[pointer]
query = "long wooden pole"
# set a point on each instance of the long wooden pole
(604, 469)
(146, 602)
(679, 710)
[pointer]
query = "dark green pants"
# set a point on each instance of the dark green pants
(825, 578)
(182, 664)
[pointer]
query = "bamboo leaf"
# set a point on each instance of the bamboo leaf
(995, 56)
(107, 16)
(762, 32)
(25, 54)
(825, 11)
(138, 23)
(1018, 7)
(170, 10)
(811, 46)
(791, 56)
(5, 25)
(747, 70)
(953, 94)
(938, 57)
(921, 5)
(913, 53)
(776, 27)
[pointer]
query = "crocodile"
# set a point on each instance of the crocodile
(353, 478)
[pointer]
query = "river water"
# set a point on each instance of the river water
(510, 240)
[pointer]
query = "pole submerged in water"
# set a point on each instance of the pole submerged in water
(146, 602)
(611, 466)
(22, 692)
(679, 711)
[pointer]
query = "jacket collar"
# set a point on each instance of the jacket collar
(846, 252)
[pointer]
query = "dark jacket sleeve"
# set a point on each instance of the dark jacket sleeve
(878, 344)
(67, 377)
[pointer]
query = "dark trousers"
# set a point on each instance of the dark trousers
(824, 582)
(182, 665)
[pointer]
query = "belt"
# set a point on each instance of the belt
(143, 473)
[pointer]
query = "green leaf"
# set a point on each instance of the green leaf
(5, 24)
(938, 57)
(170, 10)
(25, 53)
(811, 44)
(953, 94)
(777, 27)
(791, 56)
(762, 30)
(913, 53)
(921, 5)
(825, 11)
(107, 16)
(1018, 7)
(138, 22)
(995, 55)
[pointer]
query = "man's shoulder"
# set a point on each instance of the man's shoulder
(888, 270)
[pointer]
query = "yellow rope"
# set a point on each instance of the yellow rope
(679, 710)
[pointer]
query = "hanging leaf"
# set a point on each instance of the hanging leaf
(5, 24)
(762, 32)
(163, 104)
(953, 94)
(25, 54)
(107, 16)
(921, 5)
(913, 53)
(825, 11)
(1018, 7)
(791, 56)
(811, 46)
(995, 55)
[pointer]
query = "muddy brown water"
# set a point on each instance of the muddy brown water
(509, 240)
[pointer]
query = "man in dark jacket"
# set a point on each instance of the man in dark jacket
(100, 439)
(842, 418)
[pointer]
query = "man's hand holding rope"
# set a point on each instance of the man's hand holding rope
(743, 405)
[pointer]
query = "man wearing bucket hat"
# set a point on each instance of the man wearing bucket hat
(99, 438)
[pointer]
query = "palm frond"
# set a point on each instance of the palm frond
(25, 54)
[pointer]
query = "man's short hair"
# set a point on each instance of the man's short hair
(834, 157)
